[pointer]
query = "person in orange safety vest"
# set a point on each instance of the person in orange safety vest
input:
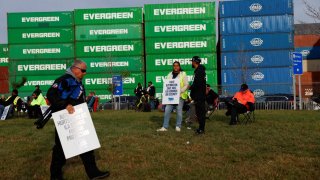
(242, 102)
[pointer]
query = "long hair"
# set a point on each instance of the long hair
(177, 62)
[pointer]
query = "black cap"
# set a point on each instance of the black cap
(37, 92)
(208, 85)
(244, 87)
(15, 91)
(196, 59)
(150, 82)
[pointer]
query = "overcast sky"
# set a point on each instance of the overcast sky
(7, 6)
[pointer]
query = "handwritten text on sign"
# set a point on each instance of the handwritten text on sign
(76, 131)
(171, 91)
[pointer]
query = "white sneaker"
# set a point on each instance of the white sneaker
(162, 129)
(178, 129)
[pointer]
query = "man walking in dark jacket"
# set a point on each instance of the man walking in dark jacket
(198, 92)
(67, 91)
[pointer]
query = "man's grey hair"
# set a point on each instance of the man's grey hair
(78, 62)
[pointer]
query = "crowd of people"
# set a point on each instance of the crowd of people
(68, 91)
(200, 104)
(32, 105)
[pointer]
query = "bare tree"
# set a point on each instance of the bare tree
(244, 72)
(244, 69)
(312, 11)
(111, 71)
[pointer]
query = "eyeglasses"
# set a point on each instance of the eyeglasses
(82, 70)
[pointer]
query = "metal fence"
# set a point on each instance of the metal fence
(280, 105)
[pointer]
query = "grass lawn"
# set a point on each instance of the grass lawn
(279, 145)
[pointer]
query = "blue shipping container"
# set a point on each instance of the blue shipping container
(256, 24)
(309, 53)
(260, 90)
(254, 42)
(256, 76)
(255, 8)
(256, 59)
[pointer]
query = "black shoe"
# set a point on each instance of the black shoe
(56, 177)
(100, 175)
(199, 131)
(232, 123)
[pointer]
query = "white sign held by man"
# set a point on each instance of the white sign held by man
(76, 131)
(171, 91)
(5, 113)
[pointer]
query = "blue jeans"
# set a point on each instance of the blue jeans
(168, 111)
(152, 104)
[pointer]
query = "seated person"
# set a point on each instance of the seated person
(242, 101)
(34, 110)
(91, 99)
(211, 99)
(144, 104)
(14, 100)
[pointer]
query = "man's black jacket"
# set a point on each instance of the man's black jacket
(198, 87)
(65, 90)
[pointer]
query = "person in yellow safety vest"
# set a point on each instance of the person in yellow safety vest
(15, 100)
(184, 85)
(34, 110)
(144, 103)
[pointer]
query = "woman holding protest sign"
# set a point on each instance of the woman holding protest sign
(177, 73)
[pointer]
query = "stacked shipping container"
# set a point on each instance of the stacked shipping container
(41, 48)
(256, 43)
(177, 32)
(110, 41)
(4, 74)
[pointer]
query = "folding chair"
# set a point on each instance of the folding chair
(247, 117)
(316, 100)
(212, 109)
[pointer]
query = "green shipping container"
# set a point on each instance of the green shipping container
(103, 81)
(44, 81)
(105, 95)
(180, 28)
(108, 32)
(115, 64)
(164, 62)
(4, 61)
(179, 11)
(108, 16)
(4, 55)
(109, 48)
(38, 67)
(40, 19)
(157, 77)
(40, 35)
(41, 51)
(4, 50)
(181, 45)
